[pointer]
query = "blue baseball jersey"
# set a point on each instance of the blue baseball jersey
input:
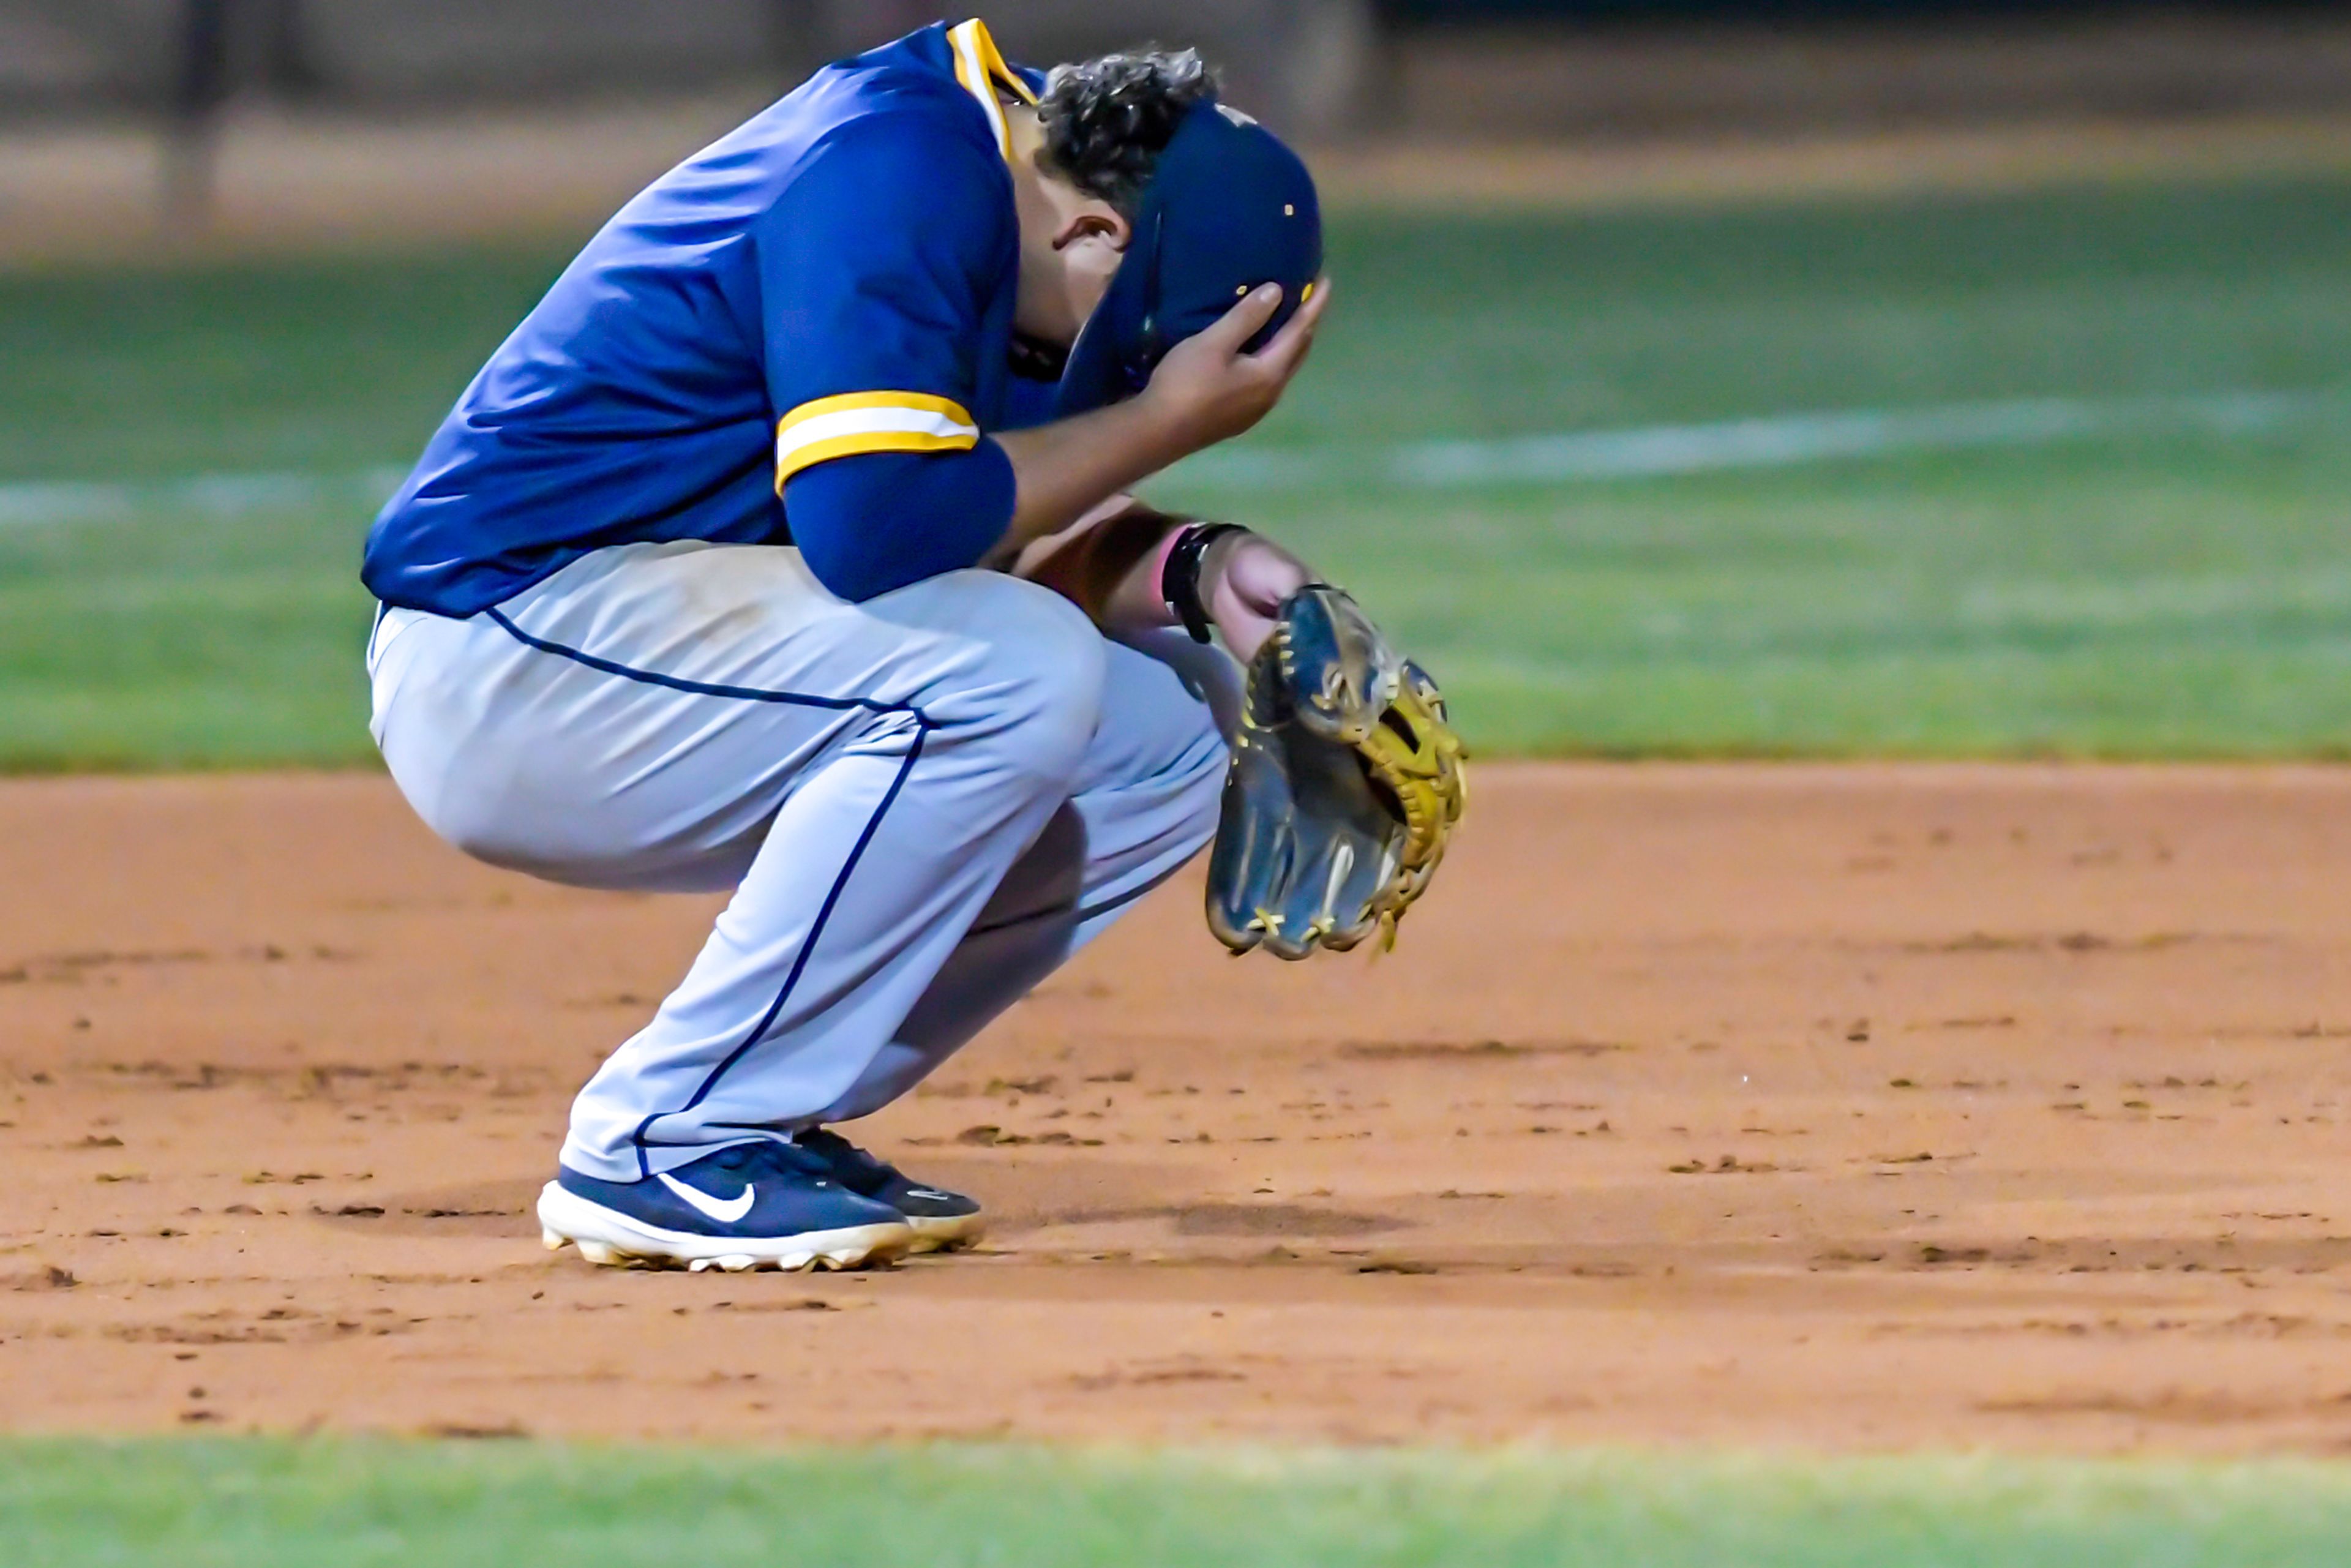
(834, 278)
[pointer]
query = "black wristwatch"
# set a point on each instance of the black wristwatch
(1179, 577)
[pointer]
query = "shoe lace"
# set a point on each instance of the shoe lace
(836, 1151)
(775, 1158)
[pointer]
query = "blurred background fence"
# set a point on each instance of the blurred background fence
(1323, 66)
(125, 121)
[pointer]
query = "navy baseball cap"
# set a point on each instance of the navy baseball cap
(1228, 208)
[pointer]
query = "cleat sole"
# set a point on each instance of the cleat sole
(947, 1233)
(610, 1239)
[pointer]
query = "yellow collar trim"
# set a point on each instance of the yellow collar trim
(982, 70)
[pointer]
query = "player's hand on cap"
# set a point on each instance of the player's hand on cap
(1210, 389)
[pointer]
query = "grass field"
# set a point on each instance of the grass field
(255, 1504)
(2134, 592)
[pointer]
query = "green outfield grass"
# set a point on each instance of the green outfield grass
(2158, 592)
(255, 1504)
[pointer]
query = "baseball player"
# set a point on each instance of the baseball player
(784, 548)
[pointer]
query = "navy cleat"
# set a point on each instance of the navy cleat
(941, 1220)
(754, 1206)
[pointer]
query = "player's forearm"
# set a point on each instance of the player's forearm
(1108, 564)
(1114, 566)
(1063, 470)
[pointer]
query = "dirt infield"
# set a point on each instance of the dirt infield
(1855, 1108)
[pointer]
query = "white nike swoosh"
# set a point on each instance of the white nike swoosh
(726, 1210)
(927, 1192)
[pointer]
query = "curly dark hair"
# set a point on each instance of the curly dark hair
(1108, 120)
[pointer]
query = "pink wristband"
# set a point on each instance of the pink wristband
(1159, 572)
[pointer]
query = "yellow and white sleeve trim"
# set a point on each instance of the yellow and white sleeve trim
(869, 421)
(982, 70)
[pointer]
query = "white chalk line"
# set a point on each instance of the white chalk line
(1591, 456)
(1668, 451)
(211, 495)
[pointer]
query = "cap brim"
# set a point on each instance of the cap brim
(1102, 368)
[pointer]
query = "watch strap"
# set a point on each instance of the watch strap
(1179, 574)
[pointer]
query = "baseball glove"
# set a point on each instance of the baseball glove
(1345, 783)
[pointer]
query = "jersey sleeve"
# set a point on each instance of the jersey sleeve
(876, 267)
(883, 519)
